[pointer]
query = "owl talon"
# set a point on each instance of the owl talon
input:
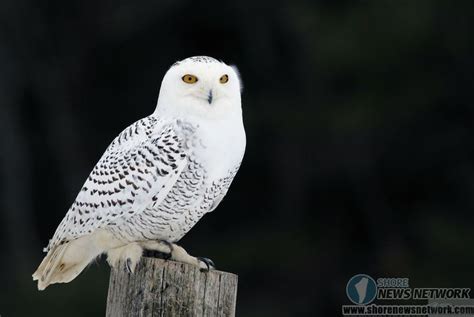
(208, 262)
(168, 244)
(128, 264)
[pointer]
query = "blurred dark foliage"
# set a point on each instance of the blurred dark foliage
(359, 118)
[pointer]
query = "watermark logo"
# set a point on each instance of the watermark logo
(361, 289)
(364, 292)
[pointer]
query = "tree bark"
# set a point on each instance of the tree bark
(168, 288)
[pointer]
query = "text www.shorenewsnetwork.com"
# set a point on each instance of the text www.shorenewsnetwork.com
(413, 310)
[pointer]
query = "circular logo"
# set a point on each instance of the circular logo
(361, 289)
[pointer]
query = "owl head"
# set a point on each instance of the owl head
(201, 86)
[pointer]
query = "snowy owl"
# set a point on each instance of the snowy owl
(157, 178)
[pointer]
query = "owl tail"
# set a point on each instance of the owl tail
(65, 262)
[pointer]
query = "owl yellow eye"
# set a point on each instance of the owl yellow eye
(224, 79)
(189, 79)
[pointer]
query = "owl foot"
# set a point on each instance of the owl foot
(130, 254)
(180, 255)
(160, 249)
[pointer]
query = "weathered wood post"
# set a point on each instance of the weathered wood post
(167, 288)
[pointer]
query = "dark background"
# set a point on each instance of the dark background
(359, 126)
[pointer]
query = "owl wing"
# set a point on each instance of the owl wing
(139, 167)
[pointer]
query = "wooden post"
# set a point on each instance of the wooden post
(168, 288)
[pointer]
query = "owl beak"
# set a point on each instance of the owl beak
(210, 97)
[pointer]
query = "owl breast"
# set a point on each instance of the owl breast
(200, 187)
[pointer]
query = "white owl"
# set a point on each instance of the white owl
(158, 177)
